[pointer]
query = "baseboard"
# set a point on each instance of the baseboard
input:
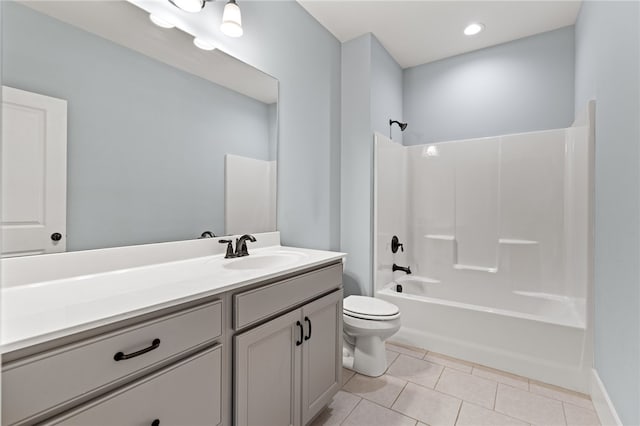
(602, 403)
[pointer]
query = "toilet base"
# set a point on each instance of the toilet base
(367, 356)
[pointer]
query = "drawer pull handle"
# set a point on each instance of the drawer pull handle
(299, 324)
(156, 422)
(308, 336)
(121, 355)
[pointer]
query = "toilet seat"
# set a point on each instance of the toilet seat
(370, 308)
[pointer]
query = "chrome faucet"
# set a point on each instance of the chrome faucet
(404, 269)
(241, 245)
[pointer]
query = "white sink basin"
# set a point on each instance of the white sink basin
(264, 261)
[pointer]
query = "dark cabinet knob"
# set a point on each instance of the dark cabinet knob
(156, 422)
(56, 236)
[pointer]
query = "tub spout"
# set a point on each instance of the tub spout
(404, 269)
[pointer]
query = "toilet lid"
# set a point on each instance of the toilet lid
(369, 307)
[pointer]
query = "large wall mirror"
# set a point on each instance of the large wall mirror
(118, 132)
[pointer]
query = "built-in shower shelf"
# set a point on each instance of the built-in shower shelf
(475, 268)
(516, 242)
(440, 237)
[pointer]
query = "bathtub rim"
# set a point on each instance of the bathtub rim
(387, 290)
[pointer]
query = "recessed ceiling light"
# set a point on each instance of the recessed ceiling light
(160, 22)
(202, 44)
(473, 29)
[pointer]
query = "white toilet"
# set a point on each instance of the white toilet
(368, 322)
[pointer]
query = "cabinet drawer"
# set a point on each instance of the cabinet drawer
(34, 385)
(260, 303)
(185, 394)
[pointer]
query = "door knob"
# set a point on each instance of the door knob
(56, 236)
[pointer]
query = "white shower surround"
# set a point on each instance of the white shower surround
(498, 234)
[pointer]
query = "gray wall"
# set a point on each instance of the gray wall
(608, 69)
(519, 86)
(146, 142)
(283, 40)
(355, 236)
(386, 91)
(371, 94)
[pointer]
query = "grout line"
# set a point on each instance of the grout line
(535, 394)
(393, 362)
(345, 383)
(495, 397)
(454, 396)
(576, 405)
(439, 377)
(501, 413)
(391, 409)
(399, 393)
(352, 410)
(564, 415)
(564, 401)
(458, 413)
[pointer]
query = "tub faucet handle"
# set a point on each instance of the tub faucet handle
(395, 244)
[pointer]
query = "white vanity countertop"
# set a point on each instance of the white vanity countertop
(43, 311)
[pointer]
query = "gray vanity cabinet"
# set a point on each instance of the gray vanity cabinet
(175, 366)
(289, 368)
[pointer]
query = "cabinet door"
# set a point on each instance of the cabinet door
(267, 373)
(321, 353)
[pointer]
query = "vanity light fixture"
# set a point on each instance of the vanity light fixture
(231, 20)
(231, 17)
(203, 44)
(473, 29)
(191, 6)
(160, 22)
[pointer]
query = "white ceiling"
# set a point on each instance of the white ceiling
(416, 32)
(128, 25)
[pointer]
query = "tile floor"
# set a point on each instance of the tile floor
(423, 388)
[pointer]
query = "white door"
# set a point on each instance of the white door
(34, 173)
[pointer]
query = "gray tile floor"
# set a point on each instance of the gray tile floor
(425, 388)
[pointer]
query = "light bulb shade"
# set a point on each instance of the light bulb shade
(203, 44)
(231, 20)
(188, 5)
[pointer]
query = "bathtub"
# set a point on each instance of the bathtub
(536, 335)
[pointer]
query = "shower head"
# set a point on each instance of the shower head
(402, 125)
